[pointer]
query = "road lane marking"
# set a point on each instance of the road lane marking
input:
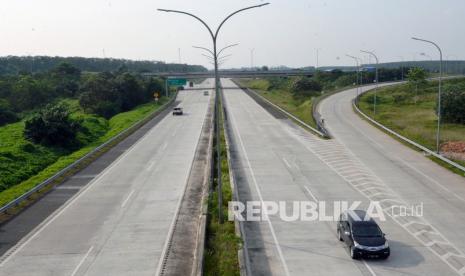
(278, 247)
(166, 244)
(287, 163)
(127, 199)
(369, 268)
(82, 261)
(410, 166)
(36, 231)
(373, 177)
(311, 194)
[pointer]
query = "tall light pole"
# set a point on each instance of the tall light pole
(251, 58)
(214, 36)
(377, 80)
(317, 58)
(438, 133)
(402, 67)
(357, 66)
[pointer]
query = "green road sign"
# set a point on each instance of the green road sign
(177, 82)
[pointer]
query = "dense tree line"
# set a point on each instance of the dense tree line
(38, 99)
(12, 65)
(107, 94)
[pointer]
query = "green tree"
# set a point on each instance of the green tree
(130, 91)
(66, 79)
(29, 93)
(305, 87)
(53, 126)
(453, 106)
(6, 113)
(100, 96)
(416, 77)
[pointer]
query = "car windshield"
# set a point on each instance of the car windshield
(367, 231)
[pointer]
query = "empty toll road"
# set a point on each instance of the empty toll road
(275, 160)
(119, 223)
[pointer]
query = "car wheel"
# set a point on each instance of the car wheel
(339, 235)
(352, 253)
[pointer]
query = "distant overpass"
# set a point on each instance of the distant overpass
(233, 74)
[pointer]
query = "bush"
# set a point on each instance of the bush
(305, 87)
(399, 98)
(453, 107)
(370, 98)
(52, 126)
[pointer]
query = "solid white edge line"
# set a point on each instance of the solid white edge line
(82, 261)
(310, 193)
(175, 217)
(410, 166)
(50, 219)
(278, 247)
(127, 199)
(287, 163)
(369, 268)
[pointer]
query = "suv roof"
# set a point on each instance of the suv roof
(354, 220)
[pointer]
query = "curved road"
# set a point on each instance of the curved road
(275, 160)
(411, 176)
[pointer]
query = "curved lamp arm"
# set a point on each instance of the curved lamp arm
(234, 13)
(192, 15)
(229, 46)
(203, 48)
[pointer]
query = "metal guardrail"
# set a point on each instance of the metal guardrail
(16, 202)
(423, 148)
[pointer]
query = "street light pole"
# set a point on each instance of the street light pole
(402, 67)
(317, 58)
(251, 58)
(377, 80)
(438, 133)
(357, 71)
(214, 36)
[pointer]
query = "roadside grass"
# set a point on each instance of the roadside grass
(24, 165)
(222, 243)
(412, 116)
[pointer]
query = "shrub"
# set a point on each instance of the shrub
(399, 98)
(52, 126)
(453, 107)
(305, 87)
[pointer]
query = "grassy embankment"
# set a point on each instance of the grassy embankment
(222, 244)
(413, 115)
(23, 164)
(282, 96)
(278, 91)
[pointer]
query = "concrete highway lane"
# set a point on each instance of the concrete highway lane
(119, 223)
(275, 160)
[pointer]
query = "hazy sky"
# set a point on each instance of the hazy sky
(287, 32)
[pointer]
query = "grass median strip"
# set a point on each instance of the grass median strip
(222, 244)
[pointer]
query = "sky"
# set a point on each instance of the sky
(286, 32)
